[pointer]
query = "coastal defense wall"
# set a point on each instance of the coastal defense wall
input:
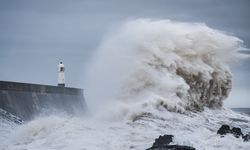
(27, 100)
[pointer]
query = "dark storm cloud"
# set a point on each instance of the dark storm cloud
(35, 35)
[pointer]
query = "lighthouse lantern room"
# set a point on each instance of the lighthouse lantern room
(61, 77)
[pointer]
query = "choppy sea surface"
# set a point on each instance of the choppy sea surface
(242, 110)
(80, 133)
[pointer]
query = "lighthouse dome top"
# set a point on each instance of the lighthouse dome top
(61, 67)
(61, 64)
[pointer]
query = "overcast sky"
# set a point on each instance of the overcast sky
(36, 35)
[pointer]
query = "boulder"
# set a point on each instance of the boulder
(225, 129)
(172, 147)
(162, 143)
(163, 140)
(246, 137)
(236, 132)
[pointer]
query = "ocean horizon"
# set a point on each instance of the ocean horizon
(242, 110)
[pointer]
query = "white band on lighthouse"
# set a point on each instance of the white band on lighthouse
(61, 77)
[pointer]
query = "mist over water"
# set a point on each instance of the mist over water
(148, 78)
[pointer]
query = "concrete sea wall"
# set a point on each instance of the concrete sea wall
(28, 100)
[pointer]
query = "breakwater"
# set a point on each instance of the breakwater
(26, 100)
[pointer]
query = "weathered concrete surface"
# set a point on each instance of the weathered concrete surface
(27, 100)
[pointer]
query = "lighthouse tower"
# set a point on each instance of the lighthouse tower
(61, 78)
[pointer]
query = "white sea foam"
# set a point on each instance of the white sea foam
(147, 65)
(64, 133)
(148, 78)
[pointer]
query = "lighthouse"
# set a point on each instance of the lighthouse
(61, 78)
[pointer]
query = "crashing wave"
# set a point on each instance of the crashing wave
(8, 122)
(163, 64)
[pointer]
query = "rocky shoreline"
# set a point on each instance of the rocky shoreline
(236, 132)
(163, 142)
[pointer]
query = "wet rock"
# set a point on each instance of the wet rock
(246, 137)
(163, 140)
(162, 143)
(172, 147)
(236, 132)
(225, 129)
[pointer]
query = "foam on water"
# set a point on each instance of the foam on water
(193, 129)
(146, 79)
